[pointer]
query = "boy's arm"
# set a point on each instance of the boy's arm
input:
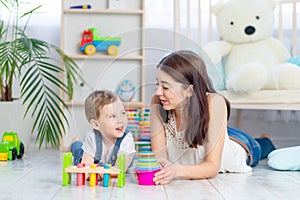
(127, 147)
(89, 148)
(129, 159)
(87, 159)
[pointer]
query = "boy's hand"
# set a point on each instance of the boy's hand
(100, 177)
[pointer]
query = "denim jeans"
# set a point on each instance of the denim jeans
(77, 152)
(256, 148)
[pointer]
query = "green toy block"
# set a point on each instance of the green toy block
(122, 167)
(67, 162)
(121, 179)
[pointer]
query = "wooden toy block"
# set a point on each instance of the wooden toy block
(93, 176)
(108, 172)
(122, 167)
(67, 162)
(98, 170)
(68, 169)
(106, 177)
(80, 176)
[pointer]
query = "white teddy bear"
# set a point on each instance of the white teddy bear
(253, 59)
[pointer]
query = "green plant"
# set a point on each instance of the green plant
(29, 60)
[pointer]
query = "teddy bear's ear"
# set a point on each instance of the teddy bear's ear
(272, 3)
(215, 9)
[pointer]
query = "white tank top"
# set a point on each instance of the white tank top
(233, 158)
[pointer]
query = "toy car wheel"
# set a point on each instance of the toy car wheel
(22, 150)
(112, 50)
(14, 154)
(90, 50)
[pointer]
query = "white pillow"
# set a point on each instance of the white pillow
(285, 158)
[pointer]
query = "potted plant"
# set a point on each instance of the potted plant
(33, 64)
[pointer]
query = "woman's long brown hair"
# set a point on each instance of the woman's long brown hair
(188, 68)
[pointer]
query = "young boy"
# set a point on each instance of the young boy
(106, 114)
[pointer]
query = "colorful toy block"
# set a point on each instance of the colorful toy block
(80, 176)
(67, 162)
(108, 171)
(106, 177)
(93, 176)
(122, 167)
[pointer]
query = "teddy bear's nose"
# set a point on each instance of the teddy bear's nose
(249, 30)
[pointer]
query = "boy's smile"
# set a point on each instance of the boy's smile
(120, 129)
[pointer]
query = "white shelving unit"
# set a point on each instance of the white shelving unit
(102, 71)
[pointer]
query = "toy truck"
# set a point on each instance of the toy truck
(91, 42)
(11, 147)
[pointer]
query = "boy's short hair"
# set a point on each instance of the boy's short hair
(96, 100)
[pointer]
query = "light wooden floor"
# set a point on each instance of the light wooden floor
(38, 176)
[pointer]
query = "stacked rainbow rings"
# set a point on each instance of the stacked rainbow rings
(146, 167)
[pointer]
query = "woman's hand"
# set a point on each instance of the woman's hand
(168, 172)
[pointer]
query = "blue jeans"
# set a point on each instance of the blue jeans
(77, 152)
(256, 148)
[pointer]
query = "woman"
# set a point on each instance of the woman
(190, 137)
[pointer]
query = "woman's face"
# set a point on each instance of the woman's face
(171, 93)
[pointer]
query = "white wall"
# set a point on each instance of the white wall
(280, 125)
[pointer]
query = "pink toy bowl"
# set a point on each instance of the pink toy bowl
(146, 177)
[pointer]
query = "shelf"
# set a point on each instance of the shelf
(104, 57)
(103, 11)
(102, 71)
(130, 104)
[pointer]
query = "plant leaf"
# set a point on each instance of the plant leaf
(33, 62)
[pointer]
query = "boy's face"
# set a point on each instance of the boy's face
(112, 121)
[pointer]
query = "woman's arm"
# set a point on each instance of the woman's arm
(158, 136)
(216, 135)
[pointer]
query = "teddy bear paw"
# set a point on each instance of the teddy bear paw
(249, 78)
(288, 76)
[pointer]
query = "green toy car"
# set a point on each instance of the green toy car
(11, 147)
